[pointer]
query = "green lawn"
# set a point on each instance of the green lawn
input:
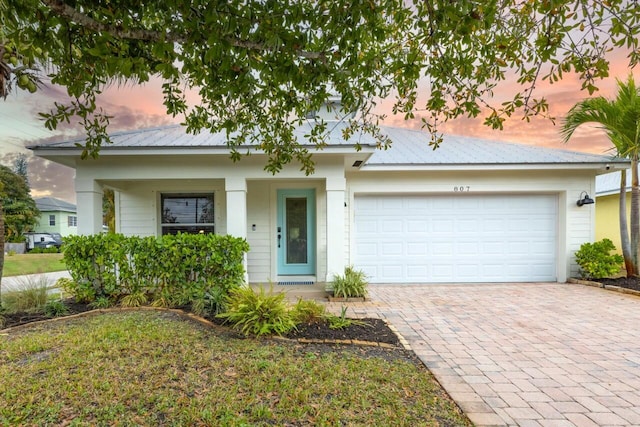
(156, 368)
(16, 265)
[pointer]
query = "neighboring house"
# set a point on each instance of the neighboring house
(608, 206)
(470, 211)
(56, 216)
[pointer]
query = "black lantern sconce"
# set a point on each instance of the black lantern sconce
(586, 200)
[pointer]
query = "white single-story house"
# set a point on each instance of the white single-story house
(471, 211)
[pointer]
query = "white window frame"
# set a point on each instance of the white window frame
(52, 220)
(186, 195)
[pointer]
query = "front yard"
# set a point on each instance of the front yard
(18, 264)
(155, 368)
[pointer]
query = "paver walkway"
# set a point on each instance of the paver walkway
(523, 354)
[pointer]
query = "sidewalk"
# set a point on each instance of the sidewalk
(16, 283)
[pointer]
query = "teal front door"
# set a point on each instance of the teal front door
(296, 237)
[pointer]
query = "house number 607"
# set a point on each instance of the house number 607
(463, 188)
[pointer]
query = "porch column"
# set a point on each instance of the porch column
(236, 189)
(89, 205)
(336, 237)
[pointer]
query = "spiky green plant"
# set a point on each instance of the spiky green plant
(258, 312)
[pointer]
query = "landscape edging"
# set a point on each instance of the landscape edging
(607, 287)
(206, 322)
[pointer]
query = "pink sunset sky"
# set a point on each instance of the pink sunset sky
(141, 106)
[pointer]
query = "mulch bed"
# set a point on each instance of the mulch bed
(373, 330)
(622, 282)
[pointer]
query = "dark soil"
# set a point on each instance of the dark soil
(372, 330)
(22, 318)
(623, 282)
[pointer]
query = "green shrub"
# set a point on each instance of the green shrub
(11, 253)
(306, 311)
(55, 308)
(596, 261)
(352, 284)
(85, 294)
(258, 313)
(170, 271)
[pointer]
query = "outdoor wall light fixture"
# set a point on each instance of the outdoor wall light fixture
(586, 200)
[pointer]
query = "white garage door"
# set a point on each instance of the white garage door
(459, 239)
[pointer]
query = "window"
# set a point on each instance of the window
(72, 221)
(187, 213)
(52, 220)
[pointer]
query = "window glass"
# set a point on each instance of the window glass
(187, 213)
(52, 220)
(72, 221)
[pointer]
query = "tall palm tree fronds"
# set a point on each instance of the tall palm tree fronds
(620, 119)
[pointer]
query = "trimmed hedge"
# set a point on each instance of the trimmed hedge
(169, 271)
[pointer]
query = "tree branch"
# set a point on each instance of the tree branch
(60, 8)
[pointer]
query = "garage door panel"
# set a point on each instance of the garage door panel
(391, 226)
(417, 271)
(488, 238)
(467, 248)
(468, 225)
(418, 248)
(417, 226)
(442, 272)
(442, 248)
(391, 249)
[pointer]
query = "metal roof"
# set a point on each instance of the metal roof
(409, 147)
(176, 136)
(609, 183)
(52, 204)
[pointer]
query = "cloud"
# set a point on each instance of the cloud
(46, 178)
(131, 109)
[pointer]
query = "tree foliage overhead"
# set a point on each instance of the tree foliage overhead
(264, 64)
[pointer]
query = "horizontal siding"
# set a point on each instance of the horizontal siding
(139, 210)
(259, 258)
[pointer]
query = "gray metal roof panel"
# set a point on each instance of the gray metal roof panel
(176, 136)
(53, 204)
(610, 183)
(409, 147)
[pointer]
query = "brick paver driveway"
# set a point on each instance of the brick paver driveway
(523, 354)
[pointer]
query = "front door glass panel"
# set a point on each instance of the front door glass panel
(296, 217)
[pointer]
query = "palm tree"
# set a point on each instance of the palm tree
(620, 118)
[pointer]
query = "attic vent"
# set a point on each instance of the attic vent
(357, 163)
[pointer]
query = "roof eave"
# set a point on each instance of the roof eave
(602, 167)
